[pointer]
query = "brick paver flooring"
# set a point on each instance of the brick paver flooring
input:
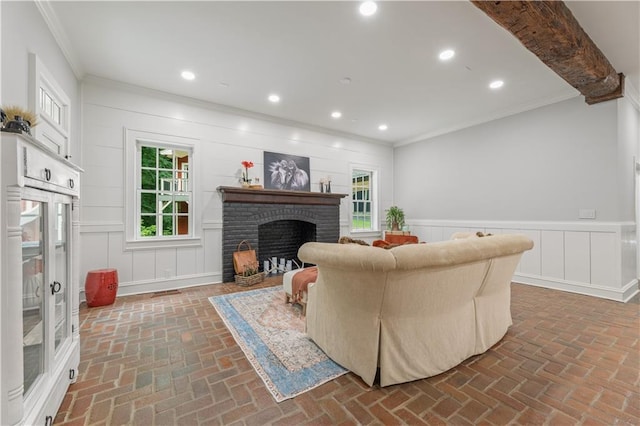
(169, 360)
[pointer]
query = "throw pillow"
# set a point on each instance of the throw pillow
(349, 240)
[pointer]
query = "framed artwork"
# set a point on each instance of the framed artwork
(284, 171)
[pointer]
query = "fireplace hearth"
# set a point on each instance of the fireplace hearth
(276, 223)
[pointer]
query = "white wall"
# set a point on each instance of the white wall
(531, 173)
(24, 31)
(545, 164)
(223, 140)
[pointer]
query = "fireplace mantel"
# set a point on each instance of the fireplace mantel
(232, 194)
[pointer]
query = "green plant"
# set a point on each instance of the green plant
(148, 231)
(395, 218)
(250, 269)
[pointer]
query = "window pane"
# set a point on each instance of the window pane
(47, 104)
(182, 181)
(148, 226)
(165, 159)
(181, 207)
(148, 155)
(167, 204)
(147, 202)
(56, 113)
(165, 181)
(361, 200)
(183, 224)
(167, 224)
(148, 180)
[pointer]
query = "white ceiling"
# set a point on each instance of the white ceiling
(302, 49)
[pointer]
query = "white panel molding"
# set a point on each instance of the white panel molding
(212, 224)
(101, 227)
(590, 258)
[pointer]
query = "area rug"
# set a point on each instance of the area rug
(271, 334)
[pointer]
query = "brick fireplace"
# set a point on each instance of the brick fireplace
(276, 223)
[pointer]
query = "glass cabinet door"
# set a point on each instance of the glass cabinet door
(59, 284)
(32, 217)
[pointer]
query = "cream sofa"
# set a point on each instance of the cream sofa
(413, 311)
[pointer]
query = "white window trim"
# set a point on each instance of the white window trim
(375, 216)
(131, 210)
(55, 136)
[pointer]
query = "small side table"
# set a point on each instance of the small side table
(101, 287)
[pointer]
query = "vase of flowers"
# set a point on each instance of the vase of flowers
(245, 180)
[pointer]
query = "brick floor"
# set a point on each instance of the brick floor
(170, 360)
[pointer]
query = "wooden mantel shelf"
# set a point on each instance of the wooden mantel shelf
(232, 194)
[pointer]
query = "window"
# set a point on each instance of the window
(164, 193)
(363, 206)
(159, 190)
(52, 107)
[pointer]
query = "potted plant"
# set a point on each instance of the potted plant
(250, 275)
(395, 218)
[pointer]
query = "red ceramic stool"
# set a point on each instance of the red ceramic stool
(101, 287)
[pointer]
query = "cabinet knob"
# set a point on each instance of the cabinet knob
(48, 421)
(47, 174)
(55, 287)
(71, 183)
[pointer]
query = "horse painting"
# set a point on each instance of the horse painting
(286, 172)
(287, 175)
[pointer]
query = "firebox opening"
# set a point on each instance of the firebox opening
(283, 238)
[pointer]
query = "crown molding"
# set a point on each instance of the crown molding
(60, 36)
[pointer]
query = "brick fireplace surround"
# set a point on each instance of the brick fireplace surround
(280, 221)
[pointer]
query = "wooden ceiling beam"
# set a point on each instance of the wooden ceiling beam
(551, 32)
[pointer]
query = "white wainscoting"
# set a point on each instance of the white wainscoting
(153, 270)
(591, 258)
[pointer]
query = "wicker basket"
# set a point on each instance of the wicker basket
(250, 280)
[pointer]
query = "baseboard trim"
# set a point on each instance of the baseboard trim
(623, 294)
(152, 286)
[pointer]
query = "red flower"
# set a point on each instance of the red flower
(245, 176)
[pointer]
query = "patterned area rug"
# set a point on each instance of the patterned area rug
(271, 334)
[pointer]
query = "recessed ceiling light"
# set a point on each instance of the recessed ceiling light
(274, 98)
(445, 55)
(336, 114)
(188, 75)
(345, 80)
(496, 84)
(224, 84)
(383, 127)
(368, 8)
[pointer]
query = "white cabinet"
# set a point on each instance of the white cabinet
(40, 327)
